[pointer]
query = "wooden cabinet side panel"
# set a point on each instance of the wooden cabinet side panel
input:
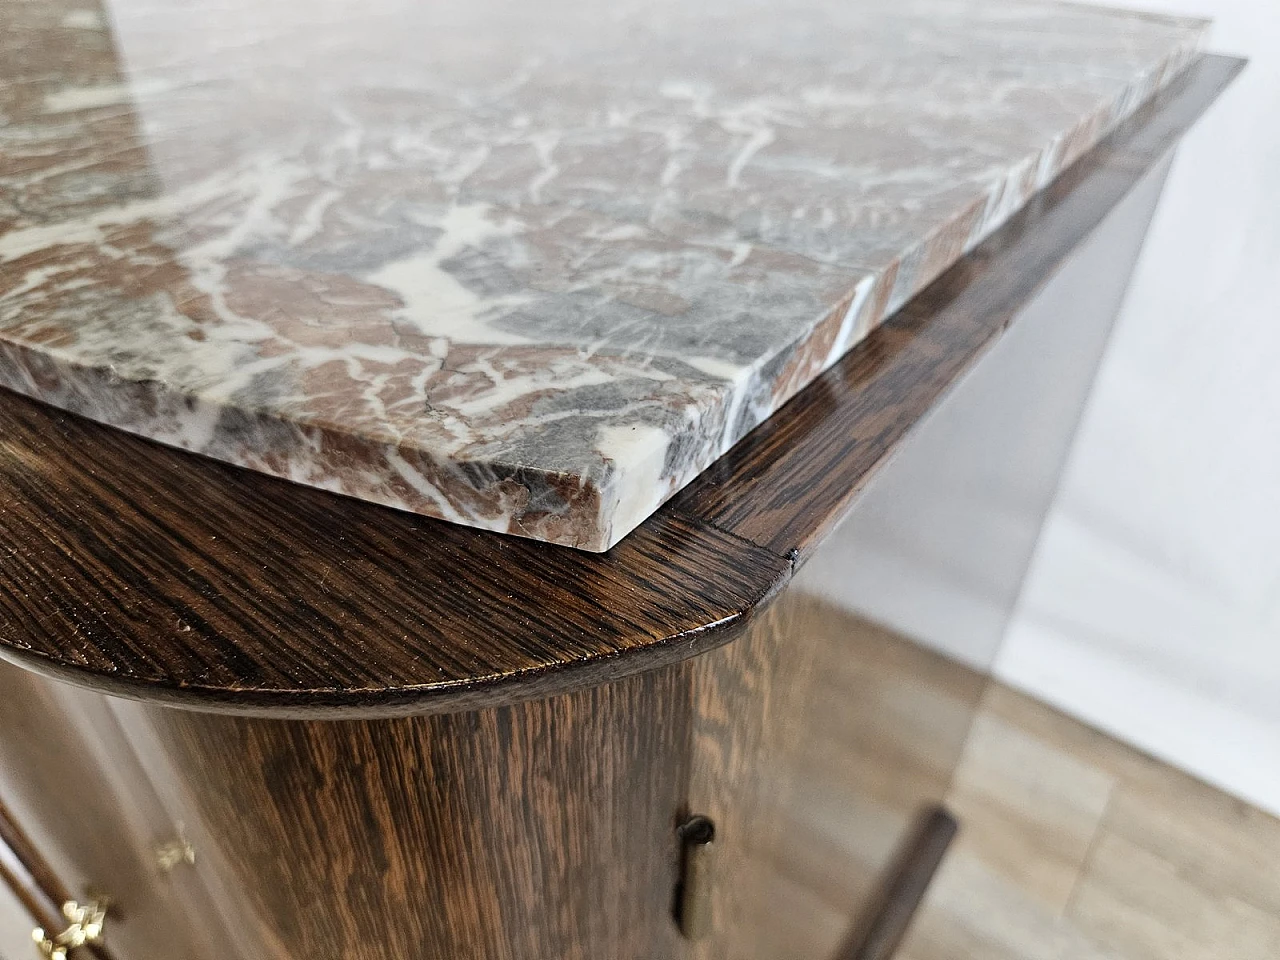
(546, 829)
(540, 830)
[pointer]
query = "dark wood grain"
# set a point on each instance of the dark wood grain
(150, 573)
(548, 828)
(537, 830)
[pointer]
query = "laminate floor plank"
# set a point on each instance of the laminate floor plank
(1074, 846)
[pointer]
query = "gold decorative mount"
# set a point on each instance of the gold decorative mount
(85, 926)
(175, 852)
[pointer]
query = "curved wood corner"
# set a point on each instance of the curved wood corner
(150, 573)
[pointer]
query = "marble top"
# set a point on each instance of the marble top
(529, 267)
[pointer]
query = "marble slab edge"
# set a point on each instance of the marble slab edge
(283, 601)
(582, 509)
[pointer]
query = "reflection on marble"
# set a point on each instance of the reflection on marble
(526, 267)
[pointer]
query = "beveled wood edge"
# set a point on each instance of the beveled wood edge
(416, 700)
(756, 464)
(110, 580)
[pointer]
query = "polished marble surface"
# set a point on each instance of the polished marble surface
(526, 267)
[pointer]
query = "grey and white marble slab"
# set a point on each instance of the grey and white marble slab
(529, 267)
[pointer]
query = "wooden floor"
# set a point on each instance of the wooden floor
(1075, 847)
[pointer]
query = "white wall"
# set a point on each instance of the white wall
(1152, 608)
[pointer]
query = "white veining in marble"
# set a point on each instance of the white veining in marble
(527, 267)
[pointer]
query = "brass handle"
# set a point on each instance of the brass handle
(85, 922)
